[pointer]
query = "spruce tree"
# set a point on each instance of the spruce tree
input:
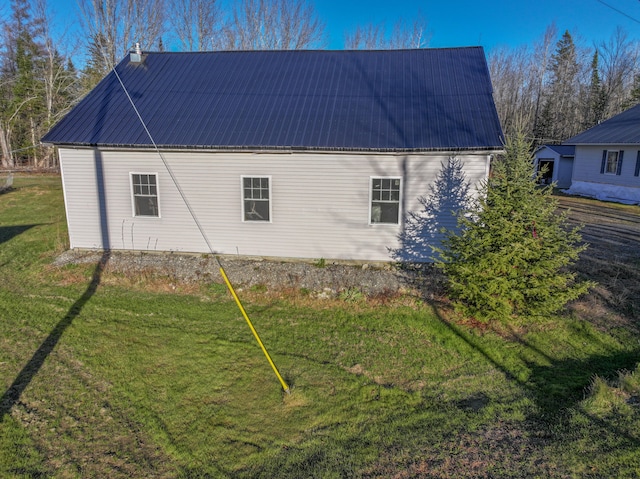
(596, 101)
(561, 101)
(510, 256)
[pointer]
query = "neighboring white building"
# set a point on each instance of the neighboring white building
(556, 163)
(299, 154)
(607, 159)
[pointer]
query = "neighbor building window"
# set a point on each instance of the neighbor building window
(612, 162)
(145, 194)
(385, 200)
(256, 198)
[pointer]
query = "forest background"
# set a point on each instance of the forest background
(550, 89)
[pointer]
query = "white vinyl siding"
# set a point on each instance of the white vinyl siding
(321, 208)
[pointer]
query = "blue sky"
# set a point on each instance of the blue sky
(487, 23)
(463, 22)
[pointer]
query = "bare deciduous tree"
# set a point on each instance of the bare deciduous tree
(116, 25)
(510, 74)
(58, 77)
(197, 24)
(274, 25)
(375, 37)
(619, 59)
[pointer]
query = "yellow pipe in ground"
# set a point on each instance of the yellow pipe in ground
(253, 330)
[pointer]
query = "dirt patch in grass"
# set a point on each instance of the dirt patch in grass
(503, 450)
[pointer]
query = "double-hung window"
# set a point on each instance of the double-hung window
(256, 202)
(612, 162)
(144, 188)
(385, 200)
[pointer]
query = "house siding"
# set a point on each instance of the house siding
(589, 179)
(588, 164)
(562, 167)
(320, 201)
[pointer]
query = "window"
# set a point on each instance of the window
(612, 162)
(255, 196)
(145, 194)
(385, 200)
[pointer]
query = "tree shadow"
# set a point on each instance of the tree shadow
(424, 230)
(12, 395)
(9, 232)
(556, 386)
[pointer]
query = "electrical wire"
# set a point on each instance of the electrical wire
(619, 11)
(284, 385)
(169, 170)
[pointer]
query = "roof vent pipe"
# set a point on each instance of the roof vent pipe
(135, 56)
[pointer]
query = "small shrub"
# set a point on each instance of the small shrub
(351, 295)
(630, 381)
(321, 263)
(614, 398)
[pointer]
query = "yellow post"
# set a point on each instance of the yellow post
(253, 330)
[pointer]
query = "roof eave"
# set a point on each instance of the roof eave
(278, 149)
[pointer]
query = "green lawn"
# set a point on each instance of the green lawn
(105, 376)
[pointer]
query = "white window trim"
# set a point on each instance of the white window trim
(371, 178)
(614, 173)
(242, 177)
(133, 198)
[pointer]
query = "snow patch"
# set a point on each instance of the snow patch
(618, 194)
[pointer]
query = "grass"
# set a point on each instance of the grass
(119, 378)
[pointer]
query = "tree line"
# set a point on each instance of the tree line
(558, 87)
(547, 91)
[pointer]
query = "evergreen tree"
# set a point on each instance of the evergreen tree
(510, 256)
(561, 101)
(23, 105)
(596, 100)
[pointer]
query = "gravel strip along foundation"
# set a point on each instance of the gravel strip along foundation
(322, 277)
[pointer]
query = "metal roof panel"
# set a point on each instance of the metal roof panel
(623, 128)
(389, 100)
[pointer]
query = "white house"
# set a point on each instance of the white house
(556, 164)
(299, 154)
(607, 159)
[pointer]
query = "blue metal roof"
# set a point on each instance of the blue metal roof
(425, 99)
(623, 128)
(563, 150)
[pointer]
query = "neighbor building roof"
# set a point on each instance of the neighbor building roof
(425, 99)
(623, 128)
(563, 150)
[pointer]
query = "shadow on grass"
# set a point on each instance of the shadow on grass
(559, 386)
(12, 395)
(9, 232)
